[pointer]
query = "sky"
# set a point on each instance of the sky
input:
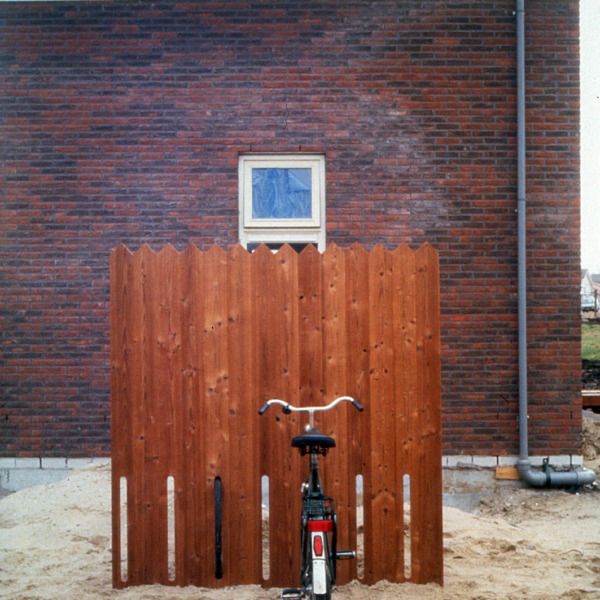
(590, 135)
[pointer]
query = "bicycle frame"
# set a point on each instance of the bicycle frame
(319, 552)
(319, 534)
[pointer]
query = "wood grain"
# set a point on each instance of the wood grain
(199, 341)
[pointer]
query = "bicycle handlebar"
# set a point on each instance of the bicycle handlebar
(288, 408)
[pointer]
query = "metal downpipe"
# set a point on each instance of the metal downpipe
(521, 233)
(547, 476)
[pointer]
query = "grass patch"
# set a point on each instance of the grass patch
(590, 341)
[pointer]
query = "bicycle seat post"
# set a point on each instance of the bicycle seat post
(311, 419)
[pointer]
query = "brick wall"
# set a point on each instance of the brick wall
(123, 122)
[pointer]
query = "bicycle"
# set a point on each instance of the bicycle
(318, 540)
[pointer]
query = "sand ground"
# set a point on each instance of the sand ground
(520, 544)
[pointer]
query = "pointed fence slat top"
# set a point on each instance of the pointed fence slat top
(200, 340)
(170, 250)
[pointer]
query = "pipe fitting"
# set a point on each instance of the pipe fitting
(547, 476)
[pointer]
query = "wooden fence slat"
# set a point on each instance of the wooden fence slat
(357, 382)
(192, 529)
(405, 381)
(383, 472)
(176, 452)
(201, 340)
(154, 502)
(285, 466)
(263, 278)
(140, 499)
(186, 486)
(122, 345)
(243, 482)
(168, 393)
(134, 394)
(338, 475)
(216, 400)
(429, 498)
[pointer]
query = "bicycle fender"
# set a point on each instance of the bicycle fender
(319, 571)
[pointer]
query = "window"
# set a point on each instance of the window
(282, 200)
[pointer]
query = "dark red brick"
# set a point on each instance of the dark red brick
(124, 122)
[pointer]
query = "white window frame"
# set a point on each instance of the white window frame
(254, 230)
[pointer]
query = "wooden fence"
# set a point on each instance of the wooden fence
(199, 341)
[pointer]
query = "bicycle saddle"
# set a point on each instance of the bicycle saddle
(313, 440)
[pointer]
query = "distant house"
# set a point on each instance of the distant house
(590, 286)
(129, 122)
(587, 291)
